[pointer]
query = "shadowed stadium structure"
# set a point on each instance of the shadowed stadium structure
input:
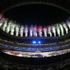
(34, 35)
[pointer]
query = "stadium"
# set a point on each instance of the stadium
(34, 35)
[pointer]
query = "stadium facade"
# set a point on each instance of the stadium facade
(42, 45)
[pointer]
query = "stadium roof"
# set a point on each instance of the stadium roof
(4, 4)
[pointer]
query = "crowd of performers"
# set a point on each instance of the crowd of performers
(11, 27)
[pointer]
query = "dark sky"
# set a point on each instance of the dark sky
(37, 14)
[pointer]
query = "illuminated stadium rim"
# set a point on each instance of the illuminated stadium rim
(28, 3)
(36, 31)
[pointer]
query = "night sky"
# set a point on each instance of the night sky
(37, 14)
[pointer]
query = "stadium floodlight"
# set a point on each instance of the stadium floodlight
(39, 42)
(34, 42)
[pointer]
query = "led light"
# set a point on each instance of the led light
(39, 42)
(34, 42)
